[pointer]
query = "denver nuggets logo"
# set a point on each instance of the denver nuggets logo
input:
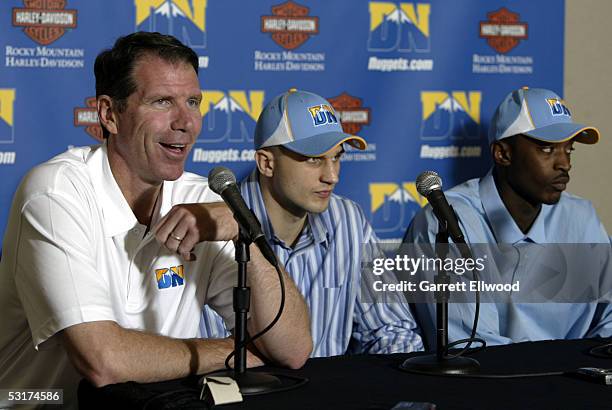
(184, 19)
(450, 115)
(557, 107)
(392, 206)
(230, 116)
(400, 27)
(7, 102)
(170, 277)
(322, 114)
(88, 117)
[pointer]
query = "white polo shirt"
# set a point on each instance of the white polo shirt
(74, 252)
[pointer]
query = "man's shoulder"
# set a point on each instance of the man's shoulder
(573, 203)
(66, 169)
(466, 194)
(464, 198)
(576, 219)
(466, 202)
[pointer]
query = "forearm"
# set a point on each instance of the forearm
(105, 353)
(289, 342)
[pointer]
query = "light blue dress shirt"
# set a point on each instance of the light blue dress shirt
(325, 265)
(485, 219)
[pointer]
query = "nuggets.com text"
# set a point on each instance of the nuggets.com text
(222, 155)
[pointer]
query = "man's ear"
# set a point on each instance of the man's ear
(264, 158)
(106, 113)
(501, 151)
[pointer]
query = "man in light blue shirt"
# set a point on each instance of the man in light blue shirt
(318, 236)
(520, 203)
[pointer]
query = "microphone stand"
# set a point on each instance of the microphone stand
(438, 363)
(250, 383)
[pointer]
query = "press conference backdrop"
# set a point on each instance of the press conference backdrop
(418, 80)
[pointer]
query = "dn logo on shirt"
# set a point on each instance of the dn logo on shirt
(170, 277)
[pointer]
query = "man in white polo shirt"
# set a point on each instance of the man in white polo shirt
(109, 255)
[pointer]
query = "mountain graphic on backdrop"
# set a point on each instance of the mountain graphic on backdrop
(227, 121)
(450, 118)
(393, 217)
(394, 33)
(169, 9)
(401, 196)
(168, 18)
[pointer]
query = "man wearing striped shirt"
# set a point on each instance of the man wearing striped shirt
(317, 235)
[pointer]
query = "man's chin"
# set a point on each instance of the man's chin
(552, 199)
(173, 175)
(317, 209)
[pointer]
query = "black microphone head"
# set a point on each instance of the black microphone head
(427, 182)
(220, 178)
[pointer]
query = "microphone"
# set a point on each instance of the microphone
(223, 182)
(429, 184)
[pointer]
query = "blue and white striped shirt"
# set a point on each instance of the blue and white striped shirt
(325, 265)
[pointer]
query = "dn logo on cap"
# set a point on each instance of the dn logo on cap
(557, 107)
(322, 114)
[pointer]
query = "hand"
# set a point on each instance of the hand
(188, 224)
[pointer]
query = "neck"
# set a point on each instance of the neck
(140, 195)
(287, 225)
(522, 211)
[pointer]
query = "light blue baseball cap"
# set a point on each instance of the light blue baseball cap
(302, 122)
(538, 113)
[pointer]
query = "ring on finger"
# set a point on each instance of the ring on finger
(175, 237)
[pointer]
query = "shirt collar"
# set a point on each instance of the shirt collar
(318, 227)
(503, 225)
(252, 191)
(117, 215)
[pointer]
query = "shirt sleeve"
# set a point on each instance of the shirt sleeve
(223, 278)
(55, 270)
(383, 322)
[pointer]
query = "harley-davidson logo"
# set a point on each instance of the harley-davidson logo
(44, 21)
(290, 25)
(351, 111)
(503, 31)
(88, 117)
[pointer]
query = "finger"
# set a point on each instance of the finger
(164, 228)
(189, 240)
(173, 240)
(160, 229)
(185, 248)
(181, 240)
(179, 233)
(172, 244)
(188, 256)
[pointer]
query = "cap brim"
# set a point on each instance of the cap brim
(562, 132)
(319, 145)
